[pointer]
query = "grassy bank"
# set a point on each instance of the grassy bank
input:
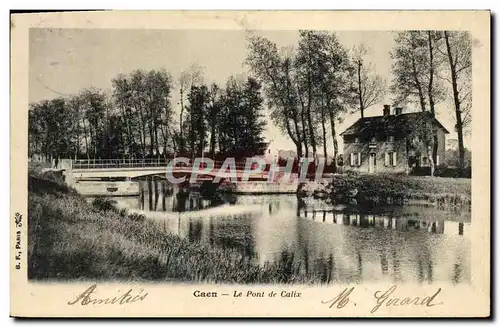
(71, 239)
(390, 188)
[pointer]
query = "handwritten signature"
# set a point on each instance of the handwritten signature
(89, 296)
(384, 298)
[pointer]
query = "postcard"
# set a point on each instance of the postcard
(250, 164)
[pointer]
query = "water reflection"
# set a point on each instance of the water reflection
(398, 244)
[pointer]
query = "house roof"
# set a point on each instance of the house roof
(392, 123)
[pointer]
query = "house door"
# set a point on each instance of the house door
(372, 163)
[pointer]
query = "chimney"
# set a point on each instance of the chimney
(387, 110)
(398, 111)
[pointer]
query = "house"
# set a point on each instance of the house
(391, 142)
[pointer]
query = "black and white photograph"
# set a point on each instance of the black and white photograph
(251, 157)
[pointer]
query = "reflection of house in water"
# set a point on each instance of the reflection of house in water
(336, 245)
(388, 221)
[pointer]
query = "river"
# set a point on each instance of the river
(341, 244)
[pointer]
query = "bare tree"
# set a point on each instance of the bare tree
(459, 54)
(371, 87)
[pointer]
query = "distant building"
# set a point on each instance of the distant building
(379, 144)
(286, 154)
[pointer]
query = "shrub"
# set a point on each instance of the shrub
(105, 204)
(393, 188)
(442, 171)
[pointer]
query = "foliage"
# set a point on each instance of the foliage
(452, 157)
(104, 204)
(132, 122)
(444, 171)
(195, 123)
(136, 120)
(393, 188)
(242, 120)
(370, 86)
(416, 67)
(306, 89)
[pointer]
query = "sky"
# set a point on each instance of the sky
(64, 61)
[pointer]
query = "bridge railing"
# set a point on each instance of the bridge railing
(139, 163)
(118, 163)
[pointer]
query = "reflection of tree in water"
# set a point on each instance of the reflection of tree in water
(400, 245)
(374, 246)
(179, 198)
(457, 272)
(384, 264)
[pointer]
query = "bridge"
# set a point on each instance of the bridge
(95, 169)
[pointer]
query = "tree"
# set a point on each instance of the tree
(326, 73)
(213, 116)
(459, 54)
(305, 64)
(415, 67)
(370, 87)
(143, 101)
(306, 88)
(278, 79)
(50, 126)
(241, 123)
(192, 76)
(252, 119)
(409, 68)
(196, 114)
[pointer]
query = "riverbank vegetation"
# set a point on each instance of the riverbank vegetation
(71, 239)
(394, 189)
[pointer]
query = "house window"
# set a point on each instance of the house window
(390, 159)
(424, 161)
(390, 138)
(437, 160)
(356, 139)
(355, 159)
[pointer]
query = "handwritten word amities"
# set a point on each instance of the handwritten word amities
(90, 296)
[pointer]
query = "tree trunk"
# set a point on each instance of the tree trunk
(360, 94)
(157, 146)
(212, 141)
(309, 102)
(323, 118)
(458, 114)
(298, 146)
(430, 92)
(86, 139)
(334, 139)
(418, 85)
(304, 132)
(151, 138)
(181, 127)
(296, 141)
(311, 128)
